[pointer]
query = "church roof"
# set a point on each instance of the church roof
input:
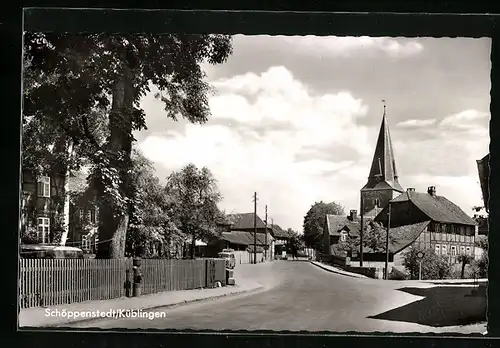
(383, 173)
(437, 208)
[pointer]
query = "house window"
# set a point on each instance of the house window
(453, 250)
(91, 216)
(43, 228)
(443, 250)
(86, 243)
(438, 249)
(467, 251)
(462, 250)
(43, 187)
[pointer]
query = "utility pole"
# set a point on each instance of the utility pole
(361, 233)
(265, 237)
(255, 228)
(387, 242)
(272, 229)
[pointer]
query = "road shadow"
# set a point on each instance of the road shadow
(442, 306)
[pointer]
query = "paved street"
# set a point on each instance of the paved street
(299, 296)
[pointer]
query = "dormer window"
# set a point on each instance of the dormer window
(343, 236)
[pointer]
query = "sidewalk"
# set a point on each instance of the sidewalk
(338, 270)
(400, 283)
(38, 317)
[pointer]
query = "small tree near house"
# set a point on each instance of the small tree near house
(314, 220)
(434, 266)
(196, 196)
(374, 240)
(464, 260)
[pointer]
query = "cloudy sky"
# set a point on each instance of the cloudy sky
(296, 119)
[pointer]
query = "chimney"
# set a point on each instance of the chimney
(353, 215)
(410, 189)
(431, 190)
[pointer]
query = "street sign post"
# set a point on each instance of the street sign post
(420, 256)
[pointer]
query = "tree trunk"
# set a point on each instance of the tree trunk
(112, 224)
(60, 202)
(463, 270)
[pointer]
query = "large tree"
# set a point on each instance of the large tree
(196, 196)
(314, 221)
(113, 72)
(294, 242)
(56, 133)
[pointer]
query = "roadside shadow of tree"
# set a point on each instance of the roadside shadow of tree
(441, 306)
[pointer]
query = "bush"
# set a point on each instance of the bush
(396, 274)
(433, 266)
(29, 236)
(481, 264)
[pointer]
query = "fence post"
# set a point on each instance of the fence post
(137, 277)
(206, 273)
(127, 284)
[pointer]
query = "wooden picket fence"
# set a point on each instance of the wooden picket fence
(49, 282)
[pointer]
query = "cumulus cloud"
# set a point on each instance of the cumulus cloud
(347, 46)
(445, 156)
(416, 123)
(245, 160)
(467, 119)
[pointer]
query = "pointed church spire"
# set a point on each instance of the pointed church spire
(383, 169)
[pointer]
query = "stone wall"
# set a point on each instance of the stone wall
(384, 196)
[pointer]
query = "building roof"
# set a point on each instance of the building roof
(373, 213)
(437, 208)
(403, 236)
(337, 223)
(245, 221)
(483, 167)
(279, 233)
(245, 238)
(383, 173)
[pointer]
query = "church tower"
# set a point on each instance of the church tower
(382, 185)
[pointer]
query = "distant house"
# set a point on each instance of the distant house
(244, 222)
(422, 220)
(38, 195)
(429, 221)
(77, 218)
(281, 238)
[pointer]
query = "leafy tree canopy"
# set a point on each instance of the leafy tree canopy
(196, 195)
(315, 219)
(70, 77)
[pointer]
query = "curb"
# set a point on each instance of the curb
(171, 305)
(337, 272)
